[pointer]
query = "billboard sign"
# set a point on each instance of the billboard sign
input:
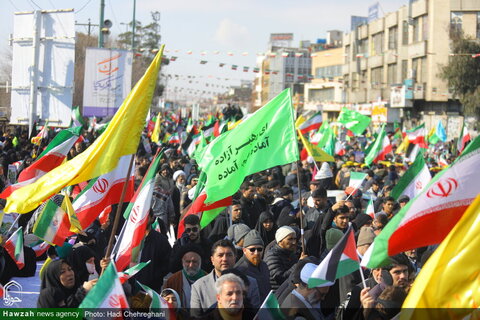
(108, 77)
(43, 60)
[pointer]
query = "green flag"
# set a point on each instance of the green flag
(264, 140)
(354, 121)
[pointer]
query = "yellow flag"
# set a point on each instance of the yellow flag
(120, 138)
(156, 130)
(67, 206)
(301, 119)
(448, 286)
(402, 148)
(314, 151)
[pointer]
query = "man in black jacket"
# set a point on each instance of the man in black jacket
(251, 263)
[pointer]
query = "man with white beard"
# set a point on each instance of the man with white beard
(182, 280)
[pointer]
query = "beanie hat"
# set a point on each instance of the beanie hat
(283, 232)
(236, 232)
(332, 236)
(253, 238)
(177, 174)
(365, 236)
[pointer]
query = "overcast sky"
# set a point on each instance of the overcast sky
(238, 27)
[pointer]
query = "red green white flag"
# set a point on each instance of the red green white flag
(40, 247)
(428, 218)
(130, 242)
(14, 247)
(414, 180)
(340, 261)
(313, 123)
(50, 158)
(380, 148)
(370, 209)
(463, 139)
(417, 136)
(104, 191)
(270, 309)
(157, 301)
(107, 293)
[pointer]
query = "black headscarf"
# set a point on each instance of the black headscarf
(77, 260)
(267, 236)
(53, 293)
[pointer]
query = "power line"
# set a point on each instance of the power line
(36, 4)
(13, 5)
(83, 6)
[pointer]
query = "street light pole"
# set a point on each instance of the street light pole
(133, 25)
(100, 34)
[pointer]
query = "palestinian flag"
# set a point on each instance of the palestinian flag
(130, 272)
(381, 147)
(340, 261)
(130, 242)
(463, 138)
(157, 301)
(417, 136)
(413, 180)
(434, 212)
(53, 222)
(40, 247)
(104, 191)
(313, 123)
(14, 247)
(370, 209)
(107, 293)
(270, 309)
(50, 158)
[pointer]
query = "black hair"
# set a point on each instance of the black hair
(223, 243)
(386, 199)
(319, 192)
(192, 219)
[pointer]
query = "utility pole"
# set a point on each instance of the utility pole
(133, 25)
(89, 26)
(34, 70)
(100, 33)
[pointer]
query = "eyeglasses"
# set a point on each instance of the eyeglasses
(194, 229)
(252, 250)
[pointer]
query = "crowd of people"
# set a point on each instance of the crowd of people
(281, 224)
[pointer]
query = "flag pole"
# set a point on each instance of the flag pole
(119, 210)
(363, 277)
(302, 231)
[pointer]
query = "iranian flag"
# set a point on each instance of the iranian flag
(356, 179)
(77, 118)
(130, 272)
(40, 247)
(340, 261)
(270, 309)
(413, 180)
(53, 223)
(434, 212)
(174, 139)
(313, 123)
(380, 148)
(370, 209)
(463, 138)
(107, 293)
(104, 191)
(157, 301)
(130, 242)
(14, 247)
(417, 136)
(50, 158)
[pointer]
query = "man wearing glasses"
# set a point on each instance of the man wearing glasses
(252, 263)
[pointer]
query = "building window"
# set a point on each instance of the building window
(419, 66)
(347, 53)
(327, 94)
(456, 21)
(416, 30)
(376, 77)
(405, 32)
(404, 69)
(377, 40)
(392, 38)
(425, 27)
(392, 73)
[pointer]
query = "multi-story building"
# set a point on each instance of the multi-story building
(397, 60)
(325, 92)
